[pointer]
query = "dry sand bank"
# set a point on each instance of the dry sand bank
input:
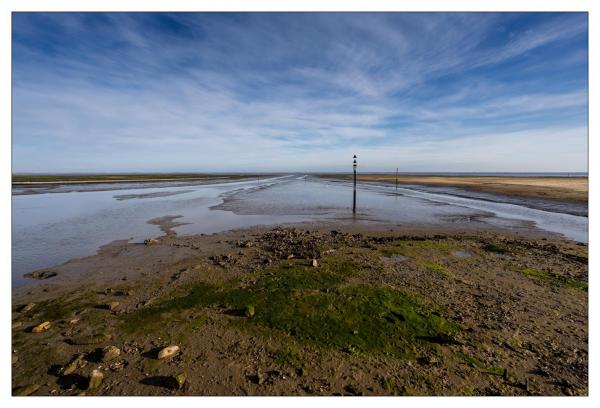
(553, 188)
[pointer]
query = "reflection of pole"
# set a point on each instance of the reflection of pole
(354, 194)
(396, 178)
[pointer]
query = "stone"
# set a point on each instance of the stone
(428, 360)
(15, 358)
(168, 352)
(76, 363)
(150, 241)
(175, 382)
(260, 377)
(26, 390)
(315, 263)
(110, 353)
(96, 378)
(16, 325)
(40, 275)
(112, 305)
(27, 307)
(42, 327)
(249, 311)
(118, 365)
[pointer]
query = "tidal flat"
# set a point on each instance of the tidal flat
(293, 311)
(276, 288)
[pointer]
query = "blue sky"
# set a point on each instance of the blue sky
(111, 92)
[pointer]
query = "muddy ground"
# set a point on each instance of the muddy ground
(294, 311)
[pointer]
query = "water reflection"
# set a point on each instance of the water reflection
(51, 228)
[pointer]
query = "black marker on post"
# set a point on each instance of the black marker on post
(354, 198)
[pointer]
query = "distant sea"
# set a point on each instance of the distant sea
(532, 174)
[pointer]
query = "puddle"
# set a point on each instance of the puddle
(462, 254)
(394, 259)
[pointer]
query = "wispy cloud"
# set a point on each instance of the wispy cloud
(235, 92)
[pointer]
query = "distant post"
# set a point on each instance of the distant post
(396, 178)
(354, 165)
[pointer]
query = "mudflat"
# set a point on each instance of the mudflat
(552, 188)
(309, 311)
(43, 179)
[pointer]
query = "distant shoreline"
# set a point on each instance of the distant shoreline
(51, 179)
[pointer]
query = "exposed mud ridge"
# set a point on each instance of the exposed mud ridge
(293, 311)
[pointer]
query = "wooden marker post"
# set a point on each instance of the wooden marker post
(354, 165)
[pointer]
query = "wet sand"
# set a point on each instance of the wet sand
(313, 310)
(118, 178)
(573, 189)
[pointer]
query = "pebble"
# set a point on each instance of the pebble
(315, 263)
(249, 311)
(26, 390)
(167, 352)
(110, 353)
(96, 378)
(112, 305)
(175, 382)
(40, 275)
(75, 363)
(42, 327)
(27, 307)
(260, 377)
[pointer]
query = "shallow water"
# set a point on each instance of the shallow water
(62, 223)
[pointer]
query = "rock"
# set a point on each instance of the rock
(16, 325)
(27, 307)
(315, 263)
(74, 321)
(110, 353)
(26, 390)
(428, 360)
(112, 305)
(151, 241)
(175, 382)
(15, 358)
(40, 275)
(118, 365)
(168, 352)
(96, 378)
(249, 311)
(259, 378)
(290, 256)
(76, 363)
(42, 327)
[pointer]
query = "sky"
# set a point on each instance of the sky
(294, 92)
